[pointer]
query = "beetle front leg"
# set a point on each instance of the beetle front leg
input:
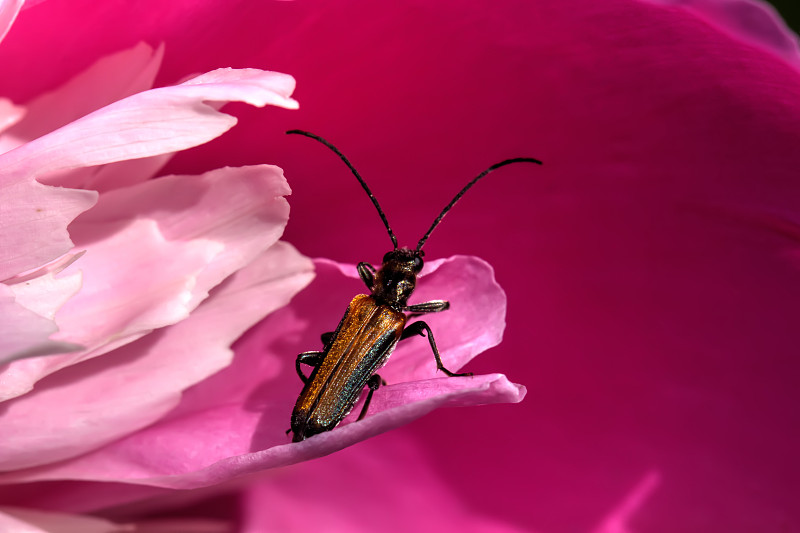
(312, 359)
(434, 306)
(417, 328)
(326, 338)
(367, 273)
(373, 383)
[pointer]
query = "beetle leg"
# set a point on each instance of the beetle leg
(373, 383)
(367, 273)
(417, 328)
(434, 306)
(326, 338)
(310, 359)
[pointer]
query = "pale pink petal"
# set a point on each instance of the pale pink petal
(45, 292)
(86, 406)
(24, 333)
(188, 232)
(33, 223)
(109, 79)
(358, 490)
(117, 175)
(150, 288)
(244, 208)
(9, 9)
(31, 302)
(29, 308)
(234, 422)
(146, 124)
(131, 291)
(150, 123)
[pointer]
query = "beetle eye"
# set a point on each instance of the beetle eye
(387, 257)
(417, 263)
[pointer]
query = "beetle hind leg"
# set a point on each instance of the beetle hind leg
(419, 328)
(373, 383)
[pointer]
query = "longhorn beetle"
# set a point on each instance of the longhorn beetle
(371, 327)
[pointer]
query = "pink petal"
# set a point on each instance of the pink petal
(25, 333)
(33, 223)
(233, 423)
(357, 490)
(150, 123)
(756, 23)
(45, 291)
(477, 325)
(189, 233)
(9, 115)
(29, 309)
(109, 79)
(144, 380)
(19, 520)
(176, 118)
(397, 405)
(243, 208)
(141, 303)
(152, 288)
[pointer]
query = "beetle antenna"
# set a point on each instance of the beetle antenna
(356, 174)
(467, 187)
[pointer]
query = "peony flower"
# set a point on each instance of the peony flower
(120, 307)
(650, 265)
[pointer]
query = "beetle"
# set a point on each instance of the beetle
(371, 327)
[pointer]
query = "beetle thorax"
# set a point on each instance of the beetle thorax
(397, 277)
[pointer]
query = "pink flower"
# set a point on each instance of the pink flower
(650, 265)
(120, 307)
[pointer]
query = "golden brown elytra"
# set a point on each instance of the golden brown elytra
(370, 328)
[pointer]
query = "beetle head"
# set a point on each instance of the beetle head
(397, 277)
